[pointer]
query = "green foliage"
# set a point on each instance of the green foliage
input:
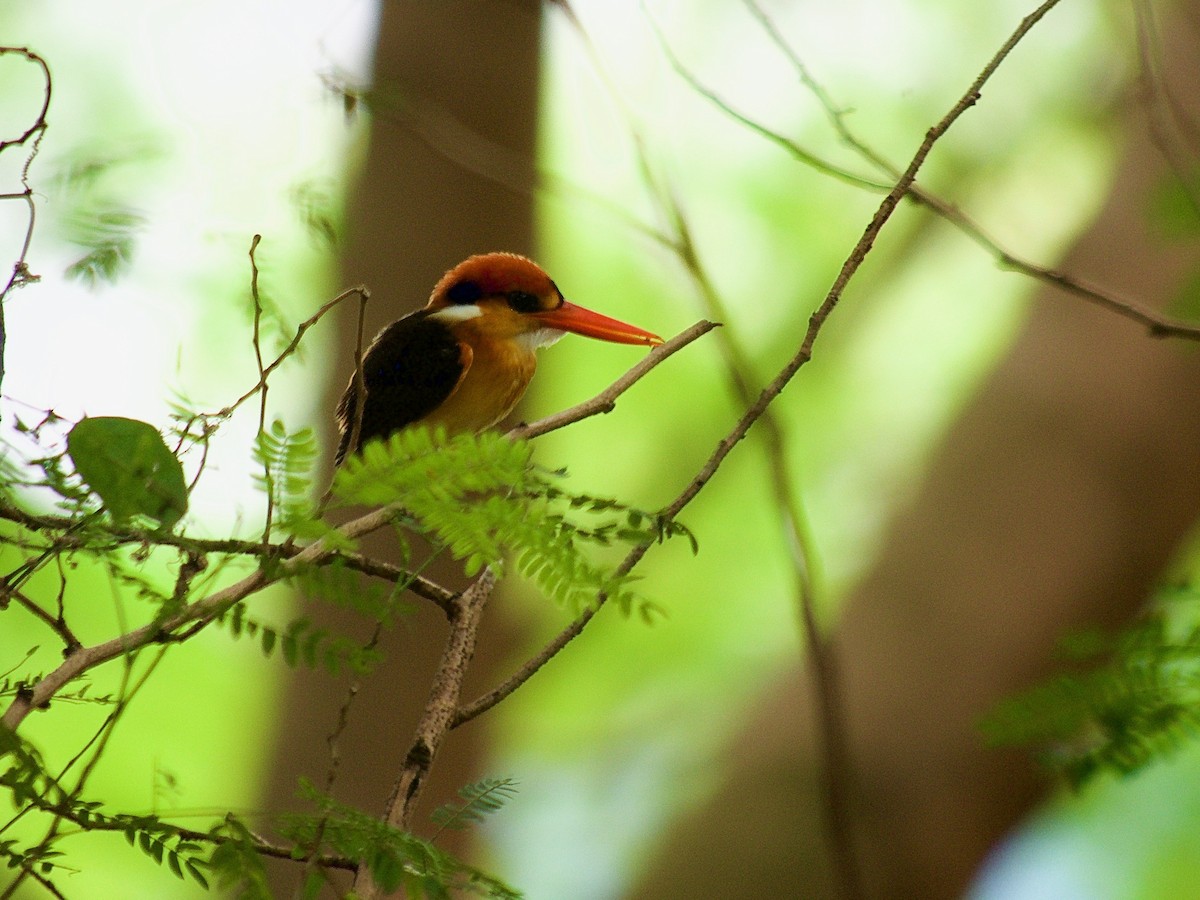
(120, 494)
(1175, 211)
(480, 799)
(130, 468)
(315, 204)
(235, 861)
(33, 787)
(108, 235)
(1135, 698)
(395, 858)
(303, 643)
(482, 497)
(1175, 207)
(339, 585)
(161, 842)
(90, 190)
(287, 460)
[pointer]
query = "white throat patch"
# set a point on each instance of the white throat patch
(543, 337)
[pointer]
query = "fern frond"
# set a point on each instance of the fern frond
(1137, 704)
(480, 799)
(396, 858)
(32, 786)
(338, 585)
(286, 461)
(108, 235)
(302, 643)
(482, 498)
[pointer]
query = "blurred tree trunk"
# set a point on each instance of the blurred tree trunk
(1053, 503)
(456, 87)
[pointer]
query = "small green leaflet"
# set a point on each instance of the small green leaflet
(129, 466)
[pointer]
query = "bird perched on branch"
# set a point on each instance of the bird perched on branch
(466, 358)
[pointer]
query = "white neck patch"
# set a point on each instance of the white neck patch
(458, 313)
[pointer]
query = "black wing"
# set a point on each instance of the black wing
(409, 370)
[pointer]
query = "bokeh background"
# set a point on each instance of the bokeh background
(985, 464)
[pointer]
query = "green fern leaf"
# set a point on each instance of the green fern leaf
(480, 800)
(286, 461)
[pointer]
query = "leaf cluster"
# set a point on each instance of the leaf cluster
(483, 499)
(302, 643)
(286, 463)
(396, 859)
(480, 799)
(1131, 700)
(32, 787)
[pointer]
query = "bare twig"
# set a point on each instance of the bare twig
(256, 340)
(57, 625)
(356, 291)
(438, 717)
(413, 581)
(806, 156)
(1156, 325)
(203, 610)
(20, 270)
(333, 741)
(606, 400)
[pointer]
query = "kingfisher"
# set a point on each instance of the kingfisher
(466, 358)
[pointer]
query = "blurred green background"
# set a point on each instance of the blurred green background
(214, 122)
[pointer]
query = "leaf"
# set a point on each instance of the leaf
(481, 799)
(108, 235)
(287, 460)
(127, 464)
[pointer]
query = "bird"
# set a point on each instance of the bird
(466, 358)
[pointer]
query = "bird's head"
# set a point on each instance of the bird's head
(509, 297)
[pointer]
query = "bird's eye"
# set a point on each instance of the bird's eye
(464, 292)
(523, 301)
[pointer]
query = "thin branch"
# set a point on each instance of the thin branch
(809, 158)
(202, 610)
(256, 340)
(57, 625)
(333, 741)
(438, 717)
(606, 400)
(835, 114)
(20, 271)
(260, 845)
(1156, 325)
(356, 291)
(418, 584)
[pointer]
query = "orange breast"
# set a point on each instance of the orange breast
(494, 381)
